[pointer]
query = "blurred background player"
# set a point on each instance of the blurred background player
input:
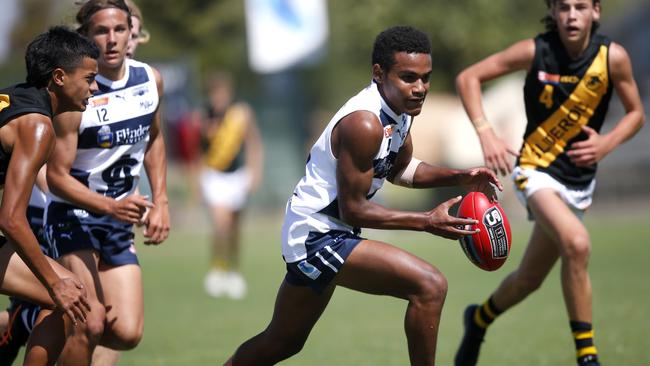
(233, 161)
(139, 35)
(572, 71)
(366, 142)
(93, 174)
(61, 68)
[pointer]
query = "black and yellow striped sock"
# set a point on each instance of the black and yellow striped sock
(583, 335)
(220, 265)
(486, 313)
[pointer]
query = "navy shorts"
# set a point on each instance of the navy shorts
(70, 229)
(35, 217)
(326, 253)
(26, 311)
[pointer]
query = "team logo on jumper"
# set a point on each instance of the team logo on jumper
(105, 137)
(4, 101)
(493, 222)
(594, 81)
(309, 270)
(382, 166)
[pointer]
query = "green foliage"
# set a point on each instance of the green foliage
(214, 34)
(461, 31)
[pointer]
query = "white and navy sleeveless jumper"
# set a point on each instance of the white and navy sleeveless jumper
(313, 207)
(114, 132)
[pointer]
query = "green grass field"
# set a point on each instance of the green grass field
(185, 327)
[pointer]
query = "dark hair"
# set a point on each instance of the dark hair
(398, 39)
(89, 8)
(549, 22)
(59, 47)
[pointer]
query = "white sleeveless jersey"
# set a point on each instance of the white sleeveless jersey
(114, 132)
(313, 206)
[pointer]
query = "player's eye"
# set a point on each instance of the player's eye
(409, 78)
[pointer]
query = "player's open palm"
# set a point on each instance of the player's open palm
(496, 152)
(156, 224)
(442, 224)
(590, 151)
(69, 295)
(131, 209)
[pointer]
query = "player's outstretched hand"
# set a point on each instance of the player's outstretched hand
(496, 152)
(156, 223)
(69, 295)
(590, 151)
(481, 180)
(450, 227)
(131, 209)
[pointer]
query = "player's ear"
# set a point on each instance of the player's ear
(58, 76)
(377, 74)
(596, 11)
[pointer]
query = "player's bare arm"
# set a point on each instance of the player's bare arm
(157, 221)
(429, 176)
(355, 141)
(32, 139)
(596, 146)
(64, 185)
(519, 56)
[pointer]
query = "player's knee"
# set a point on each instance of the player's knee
(285, 347)
(130, 341)
(577, 247)
(290, 349)
(432, 286)
(128, 337)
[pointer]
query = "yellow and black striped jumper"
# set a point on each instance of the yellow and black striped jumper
(224, 147)
(562, 95)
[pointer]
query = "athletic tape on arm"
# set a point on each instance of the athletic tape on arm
(405, 177)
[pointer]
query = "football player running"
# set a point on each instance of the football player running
(572, 71)
(367, 141)
(93, 175)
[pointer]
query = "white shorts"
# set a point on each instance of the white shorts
(529, 181)
(225, 189)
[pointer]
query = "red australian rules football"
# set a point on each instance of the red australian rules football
(489, 248)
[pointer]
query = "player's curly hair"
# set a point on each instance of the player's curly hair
(59, 47)
(90, 7)
(550, 24)
(398, 39)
